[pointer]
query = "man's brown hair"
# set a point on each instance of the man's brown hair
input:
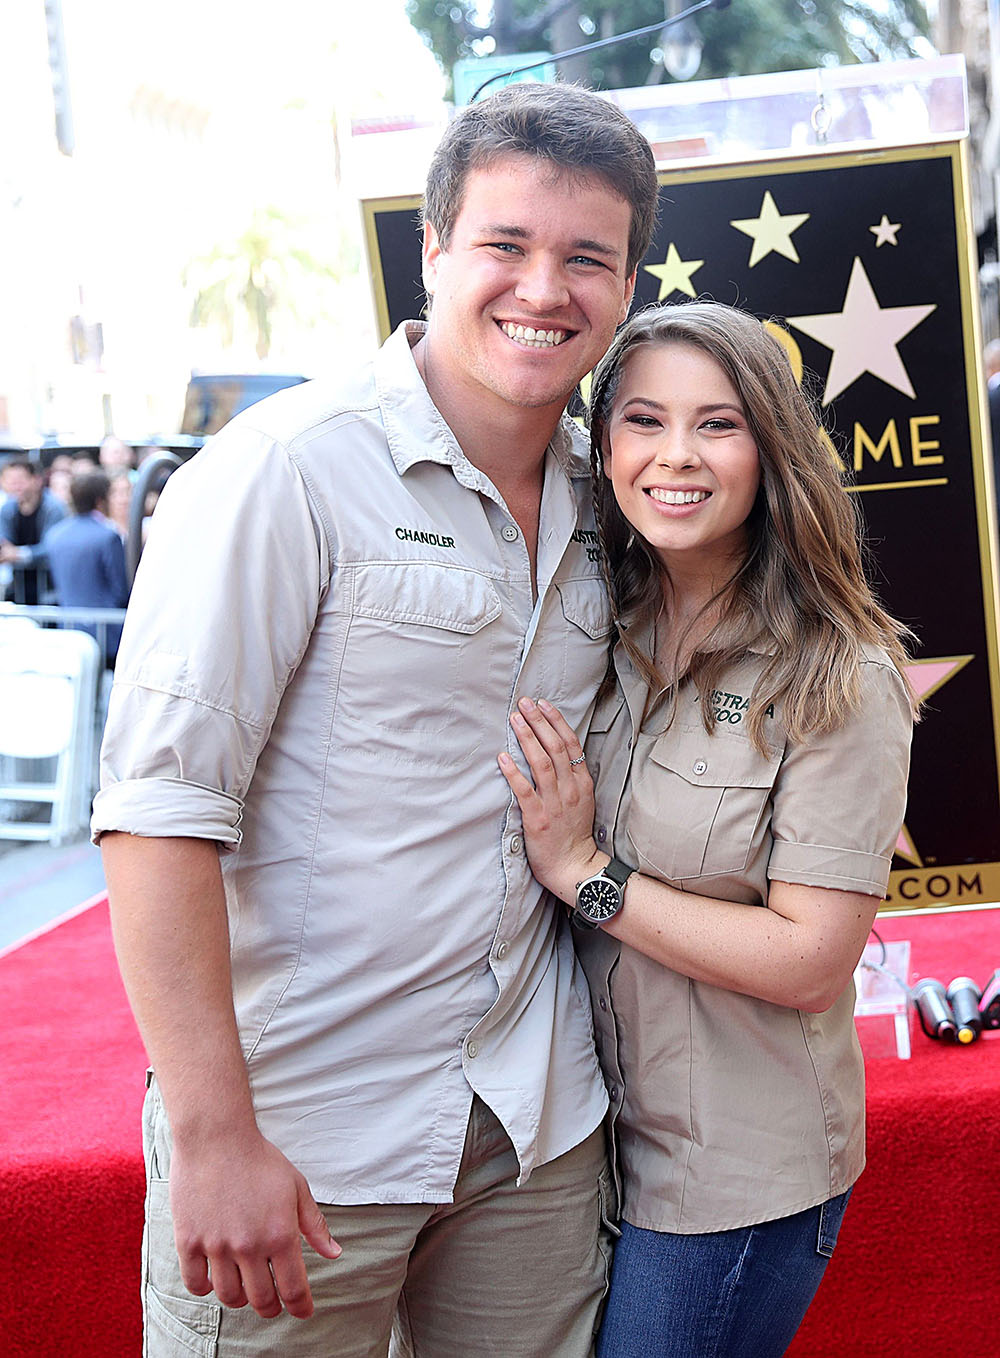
(574, 129)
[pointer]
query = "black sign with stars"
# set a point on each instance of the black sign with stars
(861, 264)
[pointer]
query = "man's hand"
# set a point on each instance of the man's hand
(239, 1212)
(9, 555)
(240, 1208)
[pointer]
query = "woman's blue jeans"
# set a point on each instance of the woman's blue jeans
(726, 1294)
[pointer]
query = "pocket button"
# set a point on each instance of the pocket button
(699, 766)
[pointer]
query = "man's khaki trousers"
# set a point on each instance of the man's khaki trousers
(502, 1272)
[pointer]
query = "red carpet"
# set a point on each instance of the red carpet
(71, 1182)
(916, 1267)
(915, 1271)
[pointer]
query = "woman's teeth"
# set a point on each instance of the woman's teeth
(678, 497)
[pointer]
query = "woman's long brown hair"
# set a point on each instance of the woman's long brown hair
(800, 595)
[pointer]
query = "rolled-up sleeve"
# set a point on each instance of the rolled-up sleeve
(839, 798)
(220, 615)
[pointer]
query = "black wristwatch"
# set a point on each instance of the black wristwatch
(600, 897)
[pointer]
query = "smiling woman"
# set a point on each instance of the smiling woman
(725, 866)
(681, 458)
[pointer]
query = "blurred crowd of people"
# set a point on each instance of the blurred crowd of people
(63, 530)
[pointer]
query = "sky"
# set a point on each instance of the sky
(222, 44)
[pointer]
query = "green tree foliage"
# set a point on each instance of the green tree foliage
(750, 37)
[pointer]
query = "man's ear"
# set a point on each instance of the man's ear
(629, 291)
(432, 252)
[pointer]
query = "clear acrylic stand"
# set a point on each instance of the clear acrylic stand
(880, 983)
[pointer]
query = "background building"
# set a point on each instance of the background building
(205, 172)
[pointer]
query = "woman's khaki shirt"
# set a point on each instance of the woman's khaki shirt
(730, 1110)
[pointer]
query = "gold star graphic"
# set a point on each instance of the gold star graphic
(771, 231)
(926, 677)
(885, 232)
(674, 273)
(863, 337)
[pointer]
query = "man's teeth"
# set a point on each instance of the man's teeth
(678, 497)
(527, 334)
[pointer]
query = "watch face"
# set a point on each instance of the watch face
(599, 899)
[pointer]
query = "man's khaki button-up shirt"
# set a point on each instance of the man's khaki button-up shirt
(332, 619)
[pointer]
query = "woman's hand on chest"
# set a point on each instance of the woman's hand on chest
(557, 809)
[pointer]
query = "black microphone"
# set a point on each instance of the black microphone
(603, 42)
(936, 1017)
(963, 996)
(989, 1004)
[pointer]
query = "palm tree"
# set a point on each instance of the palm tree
(753, 36)
(245, 282)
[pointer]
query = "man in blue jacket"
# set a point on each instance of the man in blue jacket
(25, 517)
(86, 556)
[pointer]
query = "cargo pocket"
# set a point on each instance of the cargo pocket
(184, 1321)
(171, 1315)
(697, 802)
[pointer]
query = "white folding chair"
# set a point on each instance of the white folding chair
(48, 683)
(12, 626)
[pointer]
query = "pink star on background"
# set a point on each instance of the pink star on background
(926, 677)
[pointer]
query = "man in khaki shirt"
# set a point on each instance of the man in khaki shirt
(362, 1001)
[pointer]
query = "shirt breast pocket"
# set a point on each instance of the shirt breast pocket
(419, 636)
(584, 606)
(697, 802)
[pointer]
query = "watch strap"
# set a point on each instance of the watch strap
(618, 871)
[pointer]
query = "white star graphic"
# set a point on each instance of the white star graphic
(771, 231)
(674, 273)
(863, 337)
(885, 232)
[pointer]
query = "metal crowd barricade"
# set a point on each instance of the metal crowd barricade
(76, 619)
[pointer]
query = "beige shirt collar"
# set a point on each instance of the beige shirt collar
(417, 432)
